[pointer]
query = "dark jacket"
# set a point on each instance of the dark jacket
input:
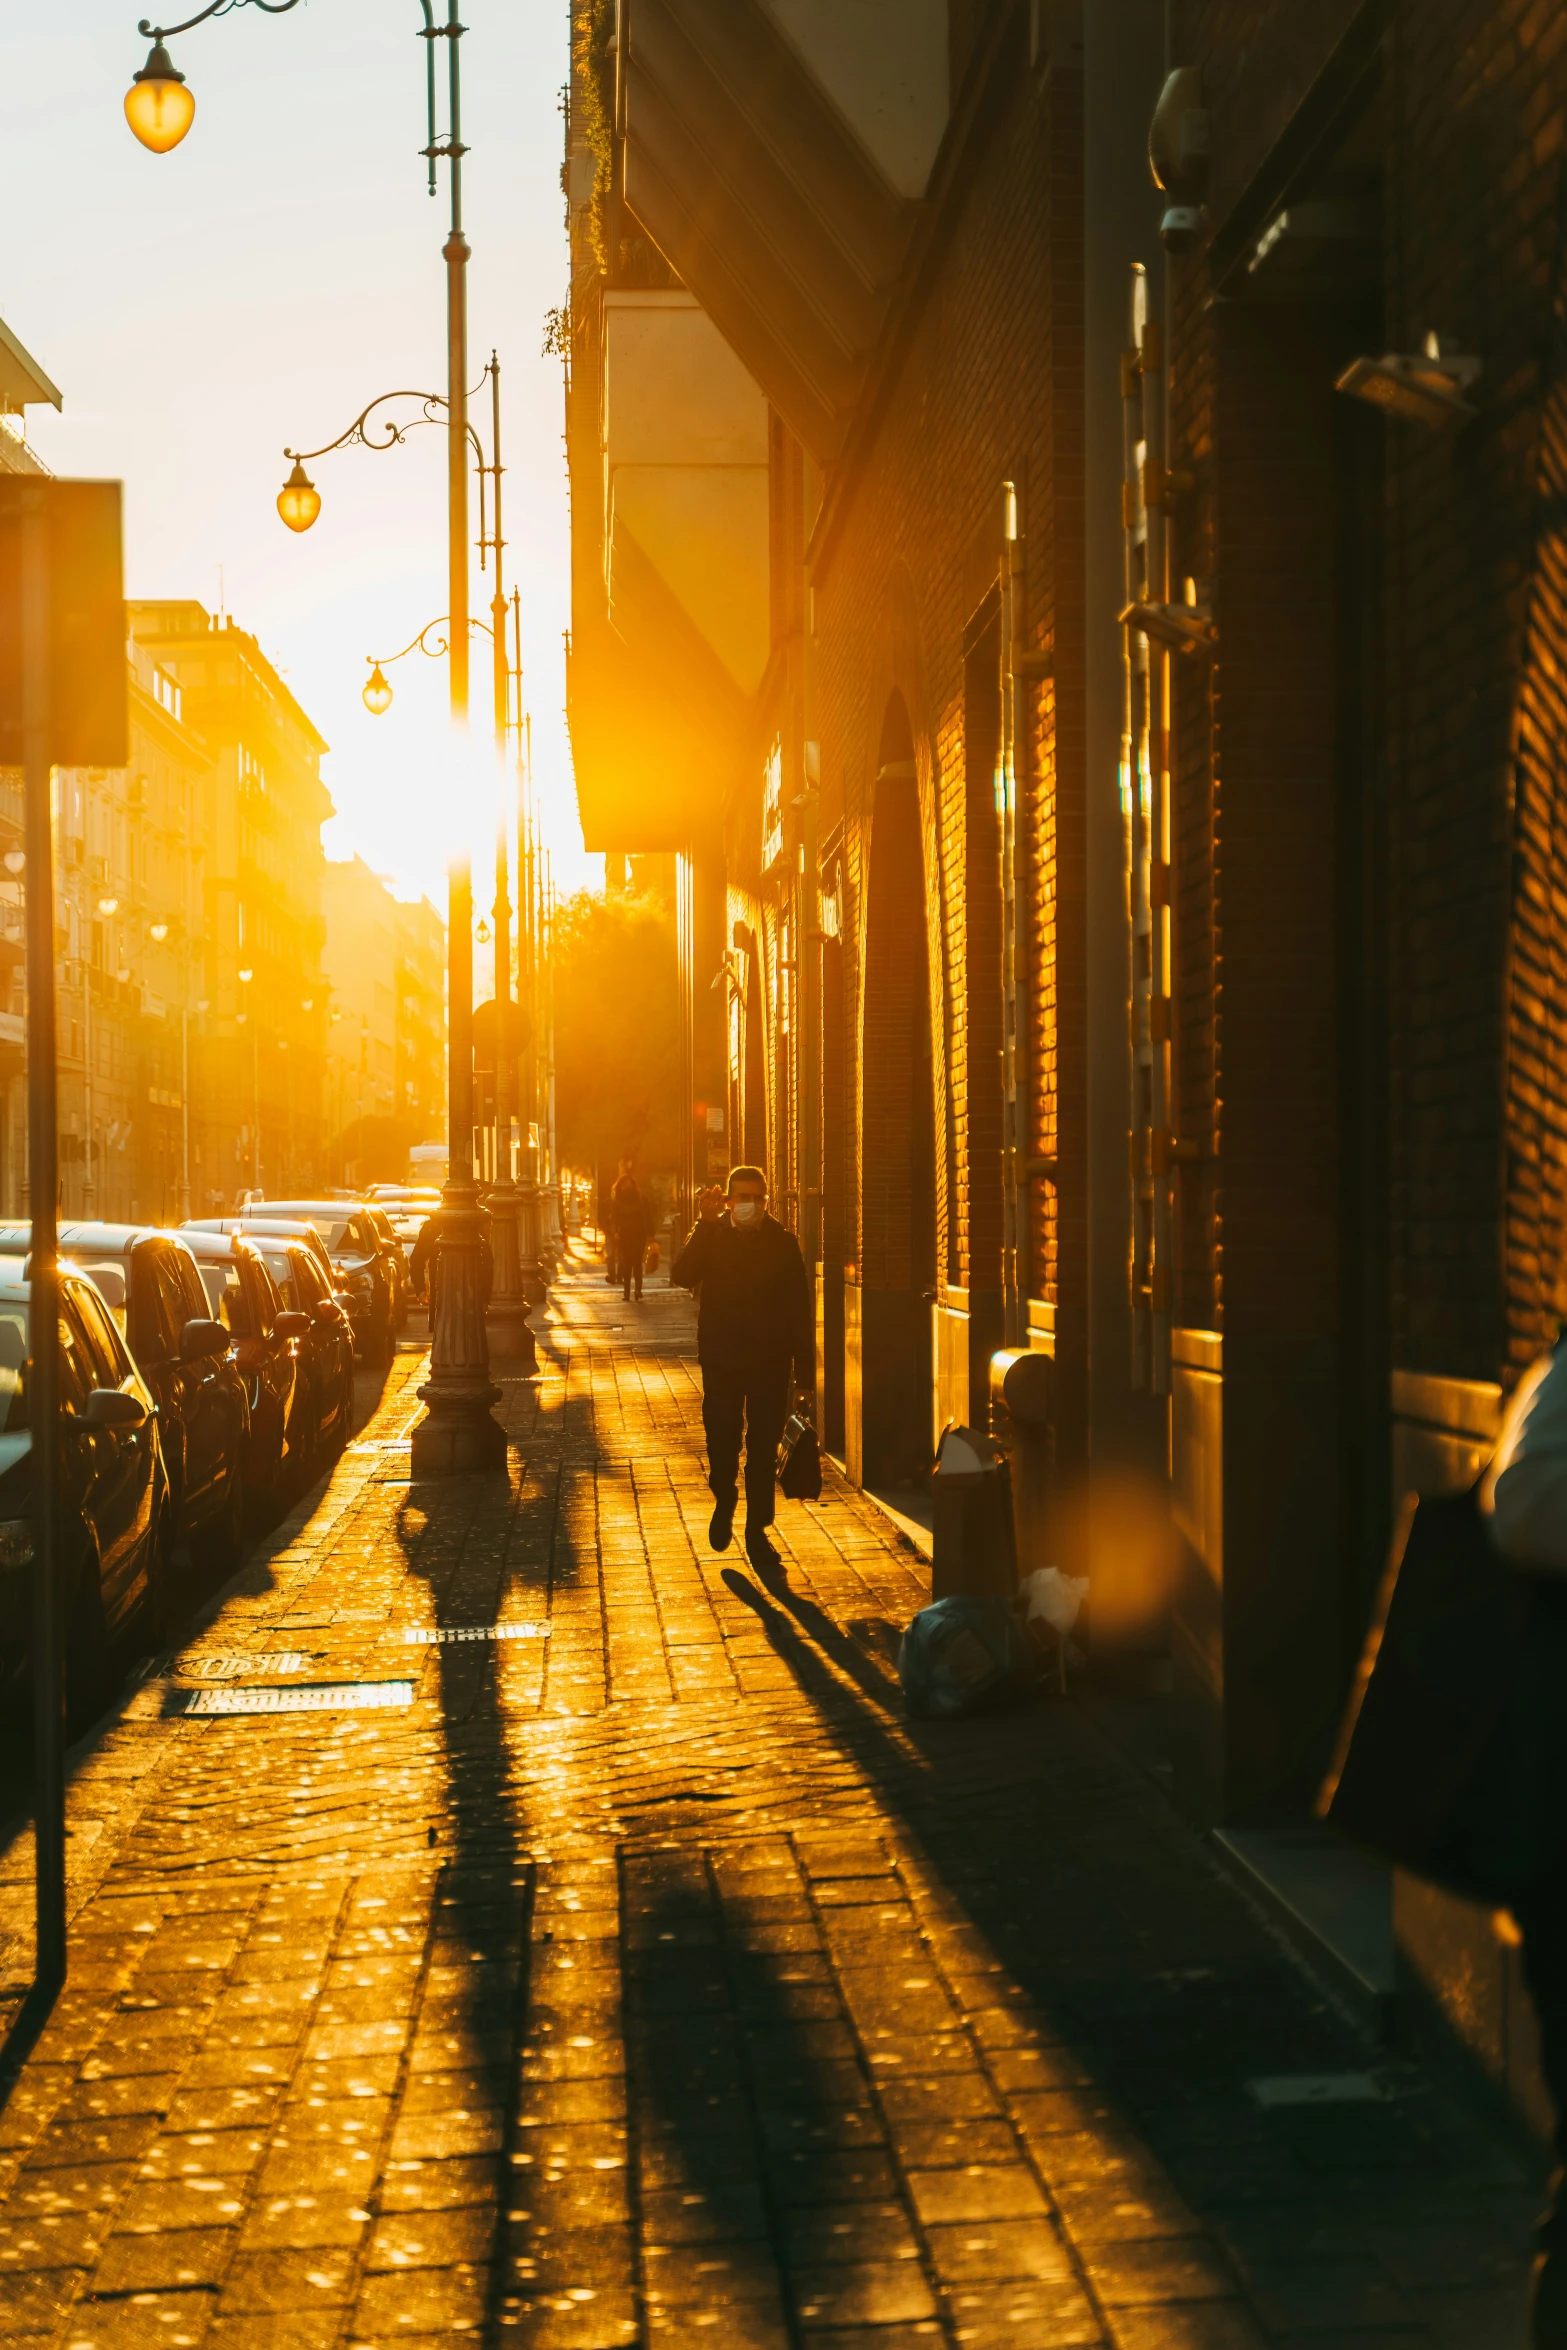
(754, 1302)
(632, 1212)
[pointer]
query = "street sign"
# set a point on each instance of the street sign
(88, 705)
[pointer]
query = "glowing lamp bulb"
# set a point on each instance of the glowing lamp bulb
(482, 934)
(246, 978)
(299, 501)
(15, 860)
(157, 932)
(158, 106)
(107, 906)
(377, 694)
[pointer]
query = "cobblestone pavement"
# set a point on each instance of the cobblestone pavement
(646, 1978)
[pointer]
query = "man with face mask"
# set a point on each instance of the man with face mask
(755, 1338)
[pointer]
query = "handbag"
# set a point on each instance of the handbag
(799, 1461)
(1452, 1757)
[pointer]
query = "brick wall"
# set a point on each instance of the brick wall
(988, 390)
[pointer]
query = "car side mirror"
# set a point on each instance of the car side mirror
(327, 1309)
(114, 1407)
(292, 1325)
(200, 1340)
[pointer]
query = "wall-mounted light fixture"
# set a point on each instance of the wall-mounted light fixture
(1426, 389)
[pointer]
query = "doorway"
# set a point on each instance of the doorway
(898, 1132)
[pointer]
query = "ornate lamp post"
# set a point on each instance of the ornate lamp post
(457, 1431)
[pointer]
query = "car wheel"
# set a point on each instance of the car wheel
(86, 1640)
(221, 1545)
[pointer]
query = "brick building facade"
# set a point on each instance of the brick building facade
(1149, 735)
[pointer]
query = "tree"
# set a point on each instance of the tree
(617, 1033)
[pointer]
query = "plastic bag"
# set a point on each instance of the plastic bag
(966, 1655)
(1055, 1598)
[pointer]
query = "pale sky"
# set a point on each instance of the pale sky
(258, 286)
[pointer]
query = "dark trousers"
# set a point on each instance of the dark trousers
(633, 1256)
(1543, 1920)
(753, 1399)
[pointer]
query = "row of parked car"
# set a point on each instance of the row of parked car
(206, 1374)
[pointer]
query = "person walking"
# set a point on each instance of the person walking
(755, 1327)
(424, 1268)
(1523, 1495)
(632, 1216)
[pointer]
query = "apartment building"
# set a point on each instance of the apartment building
(254, 942)
(385, 967)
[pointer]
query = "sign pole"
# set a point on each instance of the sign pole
(43, 1181)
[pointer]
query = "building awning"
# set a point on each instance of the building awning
(763, 200)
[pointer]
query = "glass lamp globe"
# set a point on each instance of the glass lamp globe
(482, 934)
(15, 860)
(299, 501)
(158, 106)
(157, 932)
(377, 694)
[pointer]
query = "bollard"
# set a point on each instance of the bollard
(972, 1547)
(1022, 1426)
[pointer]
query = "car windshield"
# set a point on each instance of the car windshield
(13, 1368)
(226, 1296)
(281, 1267)
(107, 1275)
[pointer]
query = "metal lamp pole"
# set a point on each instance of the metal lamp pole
(508, 1311)
(457, 1431)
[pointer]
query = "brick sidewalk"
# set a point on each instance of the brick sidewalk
(656, 1982)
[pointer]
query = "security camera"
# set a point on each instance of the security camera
(1181, 228)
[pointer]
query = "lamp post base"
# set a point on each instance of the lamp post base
(506, 1319)
(457, 1432)
(451, 1439)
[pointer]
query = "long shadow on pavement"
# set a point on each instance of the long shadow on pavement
(1087, 1898)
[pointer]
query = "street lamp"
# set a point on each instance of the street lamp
(377, 694)
(158, 105)
(299, 501)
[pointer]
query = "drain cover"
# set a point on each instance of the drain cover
(320, 1697)
(421, 1636)
(1284, 2089)
(232, 1668)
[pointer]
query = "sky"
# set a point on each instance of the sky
(258, 286)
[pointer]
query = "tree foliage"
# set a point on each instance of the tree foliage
(617, 1032)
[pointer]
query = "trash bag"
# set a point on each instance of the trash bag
(966, 1655)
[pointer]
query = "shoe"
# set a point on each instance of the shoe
(761, 1553)
(721, 1525)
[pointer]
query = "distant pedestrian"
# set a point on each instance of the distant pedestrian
(606, 1220)
(756, 1340)
(424, 1266)
(632, 1216)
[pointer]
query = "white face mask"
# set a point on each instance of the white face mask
(746, 1212)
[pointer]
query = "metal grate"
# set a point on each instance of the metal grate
(318, 1697)
(1282, 2090)
(233, 1668)
(440, 1635)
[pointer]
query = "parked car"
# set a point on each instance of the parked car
(326, 1345)
(267, 1338)
(113, 1491)
(149, 1282)
(395, 1260)
(251, 1226)
(359, 1261)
